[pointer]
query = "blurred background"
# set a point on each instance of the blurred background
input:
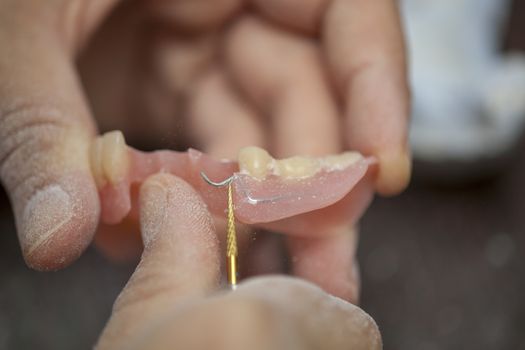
(443, 265)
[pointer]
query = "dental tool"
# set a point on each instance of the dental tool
(231, 236)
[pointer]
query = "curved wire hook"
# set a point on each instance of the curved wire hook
(217, 184)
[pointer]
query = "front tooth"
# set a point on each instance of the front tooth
(297, 167)
(340, 161)
(96, 161)
(115, 160)
(255, 161)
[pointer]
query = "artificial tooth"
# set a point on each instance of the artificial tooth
(297, 167)
(255, 161)
(340, 161)
(115, 160)
(96, 161)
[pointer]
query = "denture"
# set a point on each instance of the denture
(266, 191)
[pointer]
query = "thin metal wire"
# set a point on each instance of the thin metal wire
(217, 184)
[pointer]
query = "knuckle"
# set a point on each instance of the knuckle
(27, 132)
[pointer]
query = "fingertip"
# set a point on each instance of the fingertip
(394, 173)
(177, 230)
(153, 203)
(165, 194)
(347, 325)
(120, 243)
(58, 222)
(298, 14)
(329, 262)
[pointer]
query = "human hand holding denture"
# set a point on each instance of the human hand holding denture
(306, 78)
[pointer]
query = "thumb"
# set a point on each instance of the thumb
(180, 259)
(45, 130)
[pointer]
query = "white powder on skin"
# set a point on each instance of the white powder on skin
(174, 216)
(46, 212)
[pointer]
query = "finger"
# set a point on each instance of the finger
(323, 247)
(179, 263)
(120, 243)
(222, 124)
(194, 15)
(298, 14)
(323, 322)
(305, 122)
(329, 262)
(364, 47)
(267, 255)
(231, 321)
(45, 129)
(290, 87)
(266, 313)
(180, 61)
(220, 121)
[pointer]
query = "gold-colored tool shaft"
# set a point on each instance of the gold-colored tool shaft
(231, 242)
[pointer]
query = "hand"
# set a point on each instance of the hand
(278, 74)
(171, 301)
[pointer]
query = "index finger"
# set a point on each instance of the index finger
(364, 46)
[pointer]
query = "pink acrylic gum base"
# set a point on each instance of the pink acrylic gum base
(256, 201)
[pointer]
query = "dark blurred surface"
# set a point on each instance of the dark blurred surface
(56, 310)
(442, 268)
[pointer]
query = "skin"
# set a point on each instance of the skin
(173, 294)
(297, 77)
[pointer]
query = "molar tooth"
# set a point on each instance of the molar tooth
(255, 161)
(114, 156)
(340, 161)
(96, 161)
(297, 167)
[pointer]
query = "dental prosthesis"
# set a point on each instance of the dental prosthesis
(298, 195)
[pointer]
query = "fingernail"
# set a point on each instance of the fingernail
(153, 202)
(394, 173)
(46, 212)
(355, 283)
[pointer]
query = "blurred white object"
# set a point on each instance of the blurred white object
(469, 98)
